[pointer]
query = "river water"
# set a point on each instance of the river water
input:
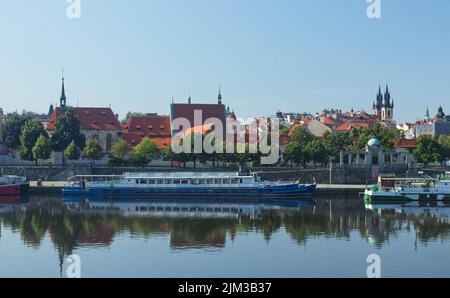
(194, 238)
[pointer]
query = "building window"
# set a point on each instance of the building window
(108, 142)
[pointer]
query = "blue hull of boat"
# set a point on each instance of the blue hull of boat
(272, 191)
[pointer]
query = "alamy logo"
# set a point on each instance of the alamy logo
(374, 9)
(374, 269)
(254, 136)
(74, 268)
(74, 9)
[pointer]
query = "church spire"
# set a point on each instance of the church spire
(63, 98)
(387, 97)
(219, 98)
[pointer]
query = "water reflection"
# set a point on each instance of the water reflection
(206, 225)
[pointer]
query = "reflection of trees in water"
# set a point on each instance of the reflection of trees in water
(335, 219)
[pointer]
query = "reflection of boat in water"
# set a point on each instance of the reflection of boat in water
(440, 210)
(10, 204)
(394, 190)
(185, 208)
(183, 184)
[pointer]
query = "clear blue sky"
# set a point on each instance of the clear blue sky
(268, 55)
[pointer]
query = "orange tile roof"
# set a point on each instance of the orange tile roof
(294, 129)
(134, 139)
(327, 120)
(202, 129)
(406, 143)
(348, 126)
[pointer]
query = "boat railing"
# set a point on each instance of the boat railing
(94, 178)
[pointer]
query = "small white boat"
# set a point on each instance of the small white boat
(391, 190)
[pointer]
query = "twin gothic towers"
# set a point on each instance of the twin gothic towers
(383, 107)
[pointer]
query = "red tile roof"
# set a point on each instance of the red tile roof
(154, 125)
(348, 126)
(406, 143)
(90, 119)
(134, 139)
(327, 120)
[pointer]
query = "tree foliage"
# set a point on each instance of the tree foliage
(67, 130)
(120, 153)
(42, 148)
(145, 152)
(92, 151)
(387, 136)
(72, 152)
(427, 150)
(29, 135)
(12, 130)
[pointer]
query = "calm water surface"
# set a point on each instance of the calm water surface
(186, 238)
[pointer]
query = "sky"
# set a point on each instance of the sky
(267, 55)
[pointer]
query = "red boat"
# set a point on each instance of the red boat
(13, 185)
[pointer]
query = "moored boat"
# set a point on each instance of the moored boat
(183, 184)
(13, 185)
(393, 190)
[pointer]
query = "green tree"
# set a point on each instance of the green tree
(120, 153)
(42, 148)
(444, 143)
(387, 136)
(302, 136)
(336, 142)
(29, 135)
(169, 155)
(92, 151)
(145, 152)
(72, 152)
(428, 150)
(12, 130)
(294, 153)
(316, 152)
(67, 130)
(296, 149)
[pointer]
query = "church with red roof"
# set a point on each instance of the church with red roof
(97, 124)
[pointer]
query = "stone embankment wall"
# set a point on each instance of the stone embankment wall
(47, 173)
(337, 175)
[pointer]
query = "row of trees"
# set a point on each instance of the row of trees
(304, 147)
(28, 137)
(124, 154)
(432, 149)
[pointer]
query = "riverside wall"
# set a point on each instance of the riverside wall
(339, 174)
